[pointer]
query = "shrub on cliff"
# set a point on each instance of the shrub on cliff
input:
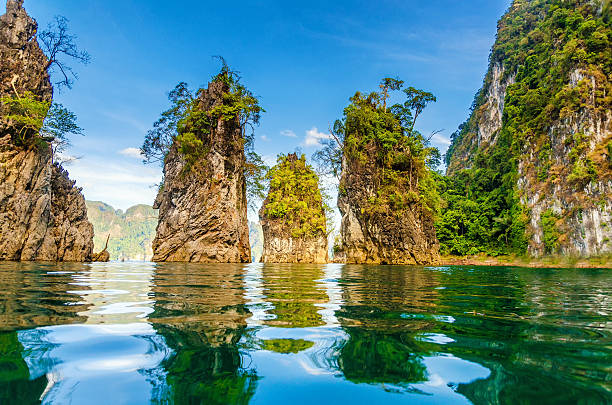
(187, 125)
(383, 142)
(295, 198)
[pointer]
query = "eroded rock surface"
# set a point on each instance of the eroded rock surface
(203, 208)
(565, 167)
(383, 237)
(42, 214)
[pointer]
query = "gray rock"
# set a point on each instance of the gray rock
(42, 214)
(203, 210)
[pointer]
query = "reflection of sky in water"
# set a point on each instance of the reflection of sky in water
(114, 348)
(117, 353)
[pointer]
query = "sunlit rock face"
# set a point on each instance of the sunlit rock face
(577, 139)
(203, 209)
(42, 213)
(405, 236)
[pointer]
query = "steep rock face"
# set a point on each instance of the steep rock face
(42, 214)
(202, 206)
(487, 120)
(381, 237)
(292, 216)
(561, 139)
(23, 65)
(581, 209)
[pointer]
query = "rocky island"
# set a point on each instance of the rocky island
(293, 215)
(385, 187)
(42, 214)
(202, 201)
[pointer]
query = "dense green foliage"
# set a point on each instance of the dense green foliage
(131, 232)
(542, 42)
(287, 346)
(295, 197)
(549, 227)
(370, 134)
(38, 122)
(188, 125)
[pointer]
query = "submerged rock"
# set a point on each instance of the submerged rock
(42, 214)
(293, 216)
(202, 203)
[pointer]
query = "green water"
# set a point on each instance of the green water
(131, 333)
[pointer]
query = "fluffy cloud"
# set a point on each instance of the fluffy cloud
(288, 133)
(442, 140)
(314, 137)
(116, 182)
(131, 152)
(265, 138)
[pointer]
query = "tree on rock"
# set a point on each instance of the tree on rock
(205, 141)
(387, 196)
(293, 215)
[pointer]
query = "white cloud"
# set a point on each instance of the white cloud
(131, 152)
(314, 137)
(288, 133)
(442, 140)
(265, 138)
(118, 183)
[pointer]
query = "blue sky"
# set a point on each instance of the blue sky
(304, 59)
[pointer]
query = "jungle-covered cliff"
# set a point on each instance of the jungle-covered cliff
(530, 171)
(293, 214)
(387, 195)
(202, 201)
(42, 213)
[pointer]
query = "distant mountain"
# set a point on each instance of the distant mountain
(131, 232)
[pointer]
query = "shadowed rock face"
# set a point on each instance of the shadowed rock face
(203, 209)
(284, 239)
(42, 214)
(402, 237)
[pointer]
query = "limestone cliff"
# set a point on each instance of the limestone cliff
(202, 202)
(546, 107)
(385, 187)
(406, 236)
(293, 216)
(42, 213)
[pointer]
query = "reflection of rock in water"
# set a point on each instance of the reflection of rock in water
(294, 292)
(200, 312)
(15, 384)
(19, 311)
(381, 345)
(510, 327)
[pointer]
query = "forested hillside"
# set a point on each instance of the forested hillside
(531, 169)
(131, 232)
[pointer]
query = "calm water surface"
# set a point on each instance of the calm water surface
(132, 333)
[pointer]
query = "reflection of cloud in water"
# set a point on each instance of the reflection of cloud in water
(115, 340)
(76, 358)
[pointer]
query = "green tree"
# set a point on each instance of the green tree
(40, 122)
(186, 125)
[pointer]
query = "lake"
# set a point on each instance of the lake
(139, 333)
